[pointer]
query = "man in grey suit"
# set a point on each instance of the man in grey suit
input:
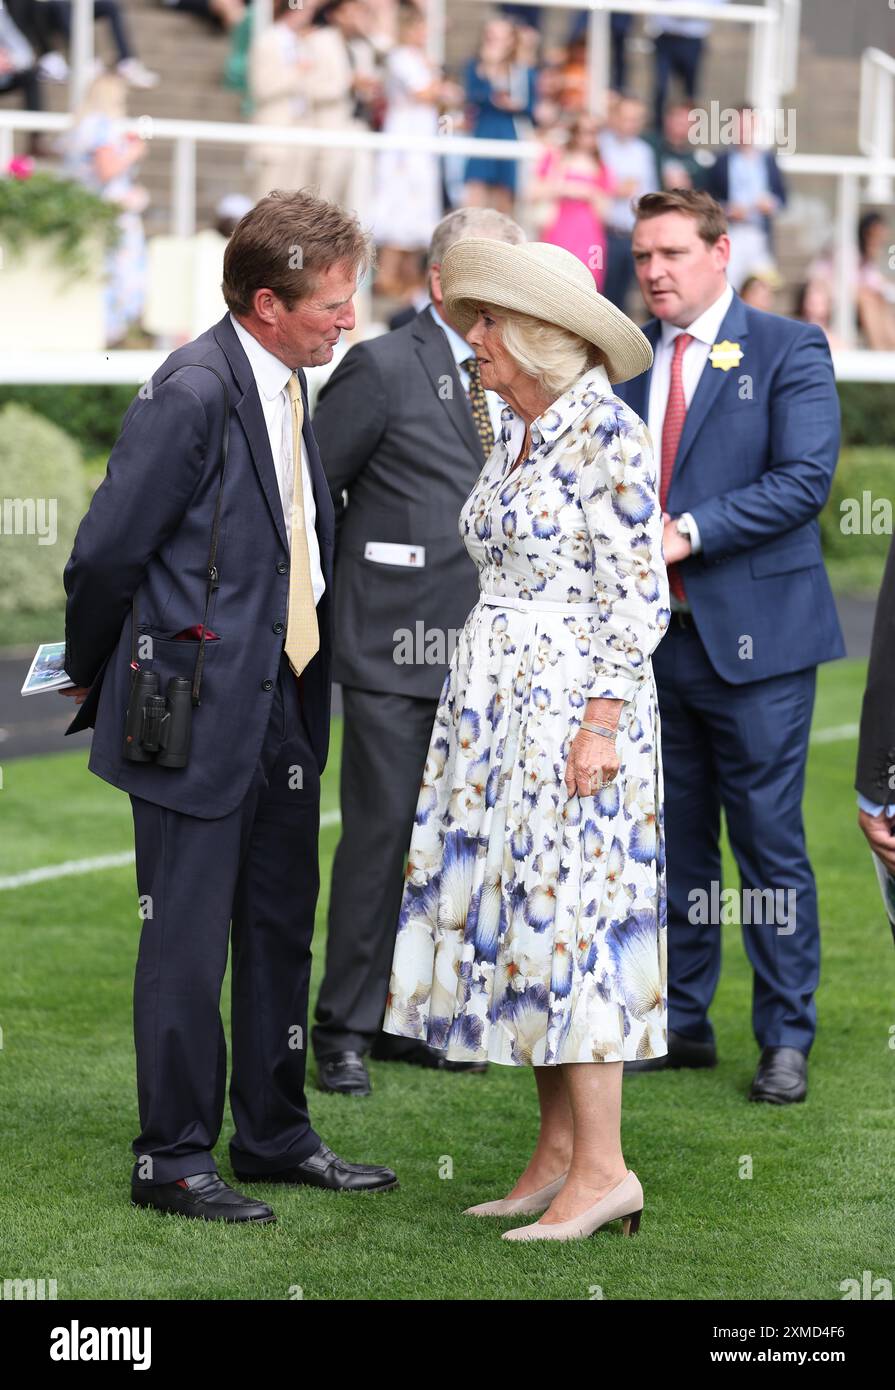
(404, 427)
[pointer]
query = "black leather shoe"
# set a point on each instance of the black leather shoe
(204, 1195)
(344, 1074)
(690, 1052)
(419, 1054)
(645, 1064)
(782, 1076)
(326, 1169)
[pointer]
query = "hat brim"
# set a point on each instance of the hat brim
(477, 270)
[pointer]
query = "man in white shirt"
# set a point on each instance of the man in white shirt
(205, 559)
(743, 413)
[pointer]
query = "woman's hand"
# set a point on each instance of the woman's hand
(593, 762)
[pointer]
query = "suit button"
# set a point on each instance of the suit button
(279, 627)
(267, 685)
(282, 567)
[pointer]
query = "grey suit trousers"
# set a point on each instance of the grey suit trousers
(385, 742)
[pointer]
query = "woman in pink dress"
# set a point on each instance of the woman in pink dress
(579, 185)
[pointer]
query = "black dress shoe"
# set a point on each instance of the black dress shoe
(645, 1064)
(781, 1077)
(418, 1054)
(343, 1073)
(690, 1052)
(204, 1195)
(326, 1169)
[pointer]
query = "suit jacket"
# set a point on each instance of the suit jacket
(396, 432)
(876, 745)
(717, 181)
(147, 532)
(755, 473)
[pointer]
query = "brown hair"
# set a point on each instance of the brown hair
(709, 214)
(284, 241)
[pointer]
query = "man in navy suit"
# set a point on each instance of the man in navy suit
(231, 836)
(744, 418)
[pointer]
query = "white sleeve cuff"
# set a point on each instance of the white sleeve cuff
(695, 541)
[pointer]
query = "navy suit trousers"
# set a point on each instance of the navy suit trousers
(743, 747)
(256, 867)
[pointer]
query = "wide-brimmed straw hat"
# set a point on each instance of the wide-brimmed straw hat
(548, 283)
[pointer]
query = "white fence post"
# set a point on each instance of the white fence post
(81, 52)
(183, 187)
(846, 258)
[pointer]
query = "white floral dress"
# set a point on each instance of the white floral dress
(533, 924)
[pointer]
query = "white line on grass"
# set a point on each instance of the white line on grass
(835, 734)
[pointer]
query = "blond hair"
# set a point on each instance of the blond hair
(553, 356)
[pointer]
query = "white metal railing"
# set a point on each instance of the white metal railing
(134, 367)
(847, 170)
(875, 123)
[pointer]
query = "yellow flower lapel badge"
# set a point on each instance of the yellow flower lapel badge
(725, 355)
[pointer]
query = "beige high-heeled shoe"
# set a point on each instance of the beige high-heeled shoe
(520, 1206)
(625, 1201)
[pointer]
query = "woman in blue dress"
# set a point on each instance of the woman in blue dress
(532, 930)
(501, 90)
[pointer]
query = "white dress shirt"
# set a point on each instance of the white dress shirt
(272, 377)
(704, 330)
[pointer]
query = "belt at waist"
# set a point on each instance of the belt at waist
(536, 605)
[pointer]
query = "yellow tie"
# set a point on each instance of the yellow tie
(302, 633)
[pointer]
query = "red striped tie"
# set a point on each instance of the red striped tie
(672, 426)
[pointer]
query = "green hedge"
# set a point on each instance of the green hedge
(43, 495)
(855, 561)
(868, 413)
(90, 415)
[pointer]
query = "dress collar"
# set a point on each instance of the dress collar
(547, 427)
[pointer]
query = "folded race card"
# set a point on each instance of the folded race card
(46, 671)
(388, 553)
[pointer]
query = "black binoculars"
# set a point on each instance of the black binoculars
(158, 727)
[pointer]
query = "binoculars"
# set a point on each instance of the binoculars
(158, 726)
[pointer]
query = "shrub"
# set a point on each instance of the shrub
(43, 496)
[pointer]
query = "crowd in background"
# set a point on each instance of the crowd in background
(363, 65)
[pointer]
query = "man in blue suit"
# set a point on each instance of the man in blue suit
(744, 418)
(232, 835)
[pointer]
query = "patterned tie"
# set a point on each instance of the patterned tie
(479, 403)
(302, 633)
(672, 426)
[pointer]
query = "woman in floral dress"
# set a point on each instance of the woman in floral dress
(532, 927)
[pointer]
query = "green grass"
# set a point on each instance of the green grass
(817, 1210)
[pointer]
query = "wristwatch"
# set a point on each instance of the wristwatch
(682, 526)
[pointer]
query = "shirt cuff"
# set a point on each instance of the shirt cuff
(695, 541)
(873, 808)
